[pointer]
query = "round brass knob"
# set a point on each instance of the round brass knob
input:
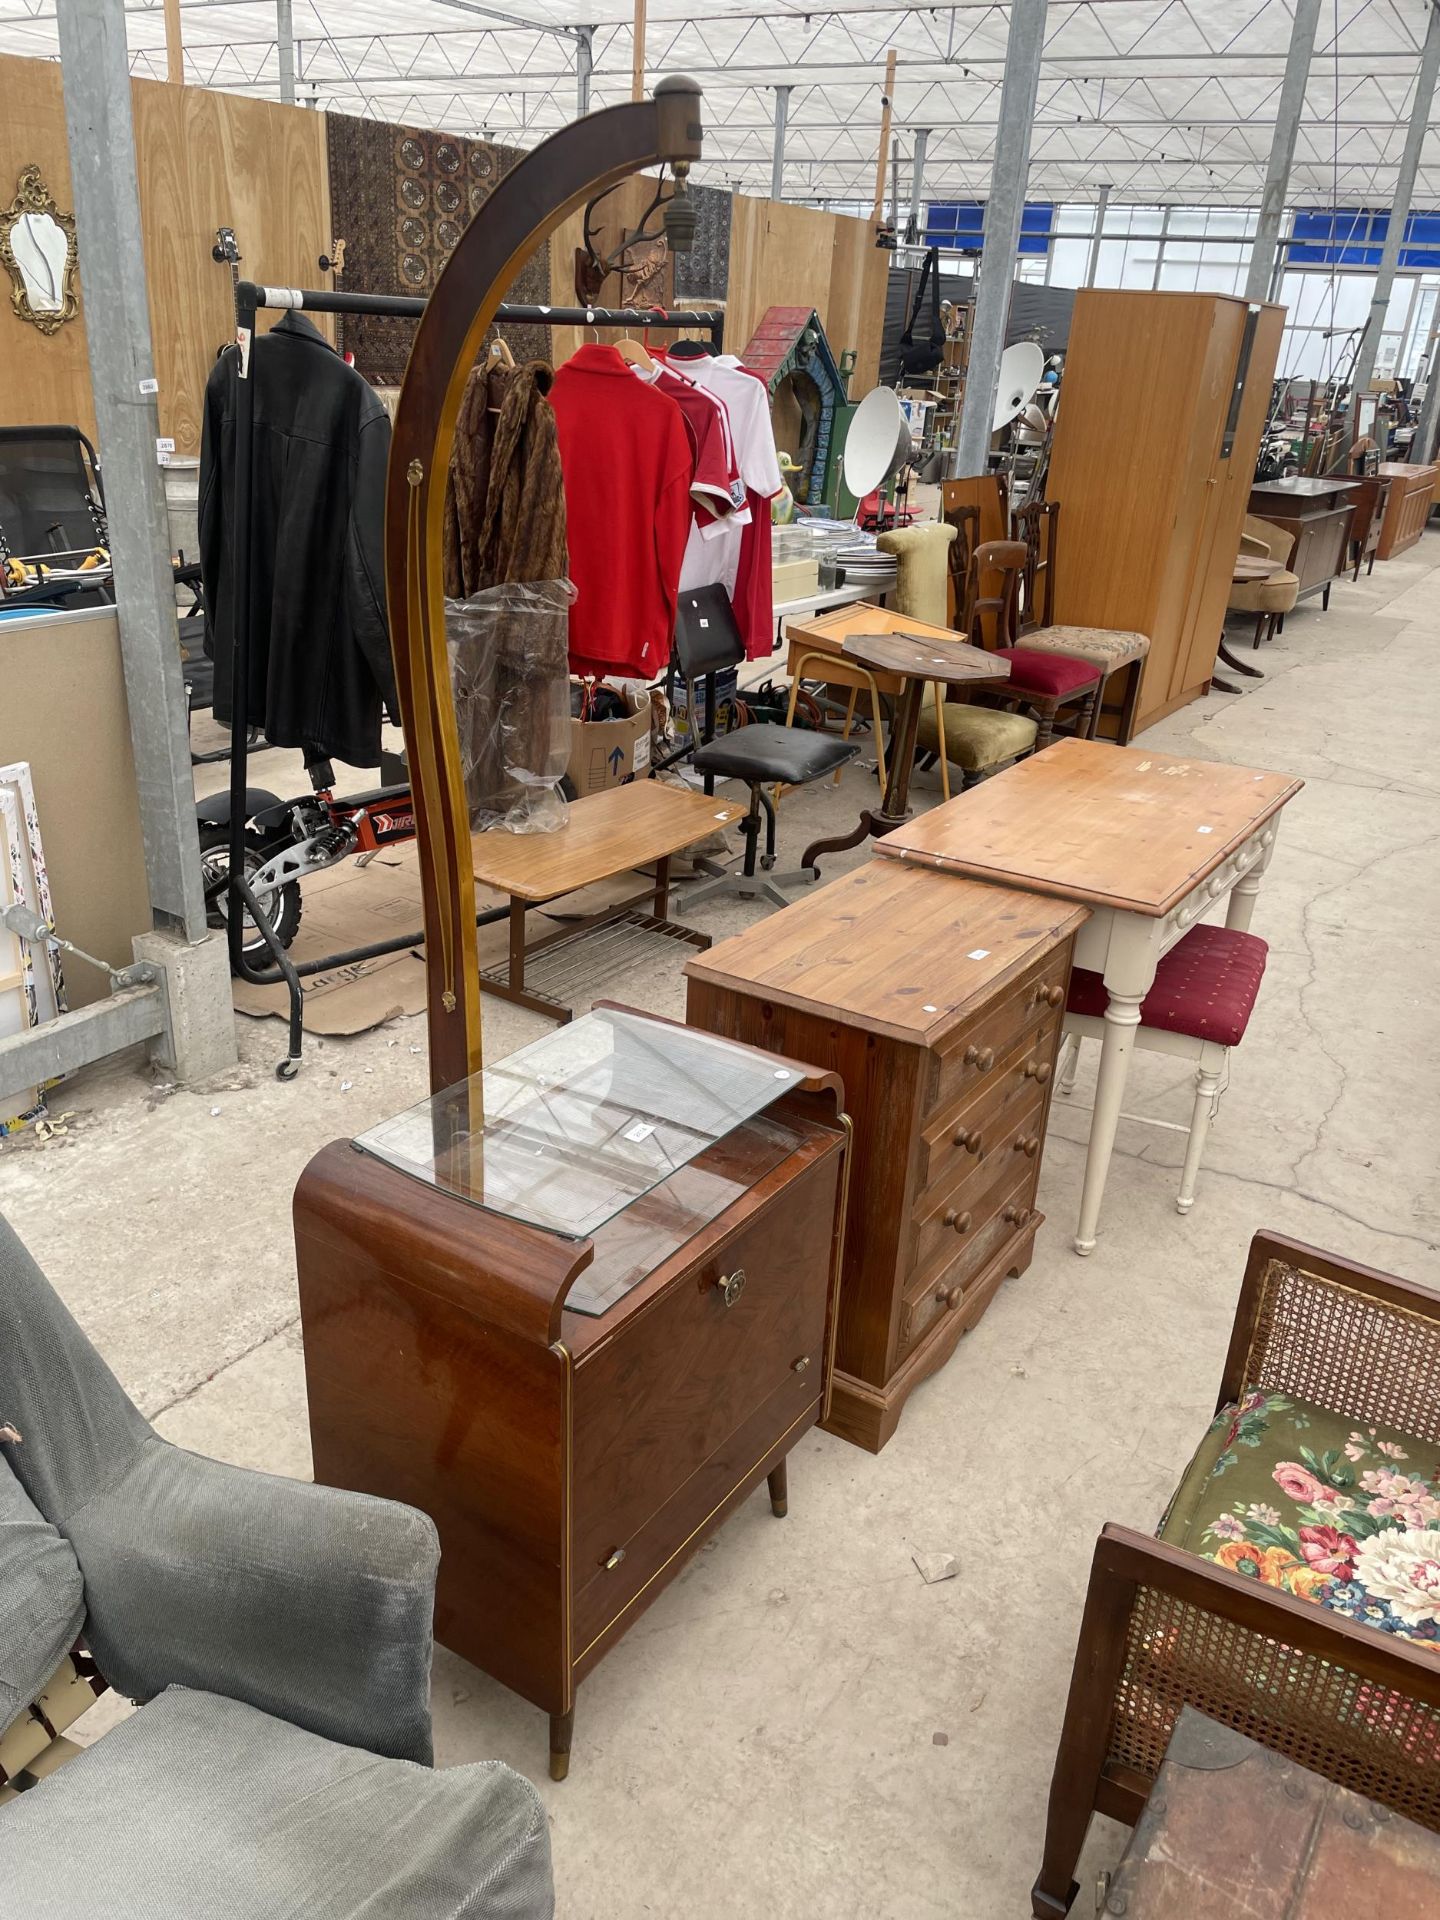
(1016, 1216)
(730, 1286)
(971, 1139)
(1038, 1071)
(1028, 1144)
(981, 1057)
(959, 1221)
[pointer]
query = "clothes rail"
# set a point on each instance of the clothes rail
(250, 299)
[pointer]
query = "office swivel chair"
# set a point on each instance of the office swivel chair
(707, 642)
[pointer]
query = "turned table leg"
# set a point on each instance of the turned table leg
(779, 1485)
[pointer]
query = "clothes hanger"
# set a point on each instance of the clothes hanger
(634, 353)
(500, 354)
(692, 350)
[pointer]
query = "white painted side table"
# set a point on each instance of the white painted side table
(1146, 840)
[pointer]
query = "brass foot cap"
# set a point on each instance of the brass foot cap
(779, 1508)
(559, 1765)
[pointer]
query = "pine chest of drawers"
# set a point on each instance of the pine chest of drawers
(938, 1001)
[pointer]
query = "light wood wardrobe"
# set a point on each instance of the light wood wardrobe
(1161, 411)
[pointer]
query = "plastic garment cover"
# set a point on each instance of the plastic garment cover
(509, 672)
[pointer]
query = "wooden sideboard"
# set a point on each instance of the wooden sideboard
(577, 1415)
(1408, 500)
(1317, 514)
(938, 1001)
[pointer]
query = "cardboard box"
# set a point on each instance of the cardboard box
(605, 752)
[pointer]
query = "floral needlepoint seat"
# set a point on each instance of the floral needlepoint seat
(1293, 1589)
(1300, 1498)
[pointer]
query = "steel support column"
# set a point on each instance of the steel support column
(1003, 212)
(777, 160)
(96, 79)
(917, 183)
(1399, 214)
(1422, 447)
(1282, 149)
(584, 67)
(285, 48)
(1102, 207)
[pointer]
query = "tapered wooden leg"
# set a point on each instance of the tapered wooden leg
(562, 1727)
(1207, 1089)
(1259, 630)
(779, 1491)
(1122, 1019)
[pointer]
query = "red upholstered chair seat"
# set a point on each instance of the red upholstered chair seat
(1053, 673)
(1205, 986)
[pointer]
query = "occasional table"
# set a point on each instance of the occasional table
(917, 661)
(1147, 841)
(1247, 570)
(606, 834)
(1235, 1831)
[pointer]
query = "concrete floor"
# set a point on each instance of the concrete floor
(800, 1726)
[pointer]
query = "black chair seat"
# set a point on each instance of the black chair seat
(766, 752)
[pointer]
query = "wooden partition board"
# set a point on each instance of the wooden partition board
(204, 160)
(786, 256)
(43, 381)
(208, 160)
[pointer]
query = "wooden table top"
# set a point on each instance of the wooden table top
(1301, 486)
(911, 655)
(1405, 469)
(1250, 566)
(607, 833)
(1110, 826)
(1234, 1832)
(891, 948)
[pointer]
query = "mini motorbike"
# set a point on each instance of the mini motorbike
(287, 839)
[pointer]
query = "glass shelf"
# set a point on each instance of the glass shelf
(576, 1128)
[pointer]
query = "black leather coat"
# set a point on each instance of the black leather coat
(320, 662)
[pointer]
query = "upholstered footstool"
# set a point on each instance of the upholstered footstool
(1111, 649)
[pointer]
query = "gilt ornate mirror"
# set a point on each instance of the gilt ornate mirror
(37, 249)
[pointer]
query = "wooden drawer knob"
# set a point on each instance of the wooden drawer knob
(971, 1139)
(1038, 1070)
(1028, 1144)
(982, 1058)
(949, 1296)
(1049, 996)
(1016, 1216)
(959, 1221)
(730, 1286)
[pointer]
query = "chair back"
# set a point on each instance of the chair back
(1037, 525)
(50, 497)
(992, 617)
(1277, 542)
(78, 1428)
(707, 638)
(966, 522)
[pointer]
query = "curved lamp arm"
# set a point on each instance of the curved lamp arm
(529, 203)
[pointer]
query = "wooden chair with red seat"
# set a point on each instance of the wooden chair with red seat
(1199, 1006)
(1041, 683)
(1112, 650)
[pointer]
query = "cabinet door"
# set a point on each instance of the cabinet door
(667, 1410)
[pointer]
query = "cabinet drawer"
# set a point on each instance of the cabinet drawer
(964, 1060)
(951, 1218)
(961, 1133)
(679, 1379)
(929, 1299)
